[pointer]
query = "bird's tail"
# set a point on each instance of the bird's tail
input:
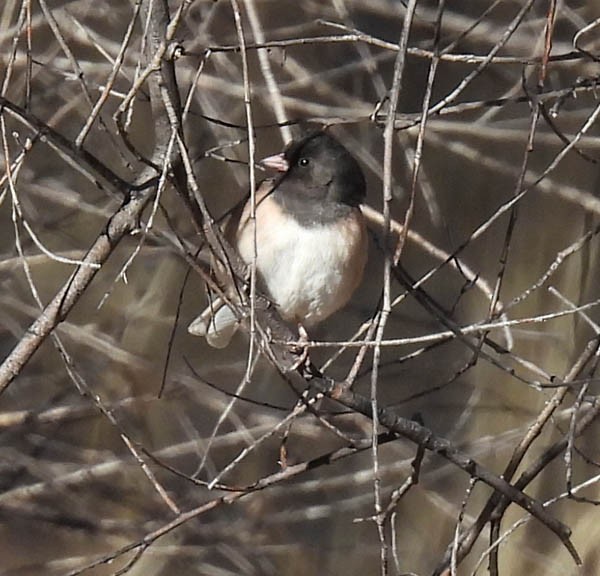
(217, 324)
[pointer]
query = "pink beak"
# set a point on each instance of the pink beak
(276, 162)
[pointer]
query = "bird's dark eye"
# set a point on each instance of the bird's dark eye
(303, 162)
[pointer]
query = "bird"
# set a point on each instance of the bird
(311, 237)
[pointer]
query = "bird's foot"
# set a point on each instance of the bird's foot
(301, 349)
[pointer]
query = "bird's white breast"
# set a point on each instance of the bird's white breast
(308, 271)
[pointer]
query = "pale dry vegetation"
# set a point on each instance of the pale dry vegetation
(476, 125)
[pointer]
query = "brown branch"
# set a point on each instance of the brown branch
(424, 437)
(123, 221)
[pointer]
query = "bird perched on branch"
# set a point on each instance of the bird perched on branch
(311, 238)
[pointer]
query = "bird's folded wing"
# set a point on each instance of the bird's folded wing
(218, 323)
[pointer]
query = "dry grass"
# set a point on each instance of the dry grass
(500, 171)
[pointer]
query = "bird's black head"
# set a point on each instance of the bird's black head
(322, 169)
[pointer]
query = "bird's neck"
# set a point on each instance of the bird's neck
(310, 210)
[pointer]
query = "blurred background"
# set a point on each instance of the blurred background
(73, 487)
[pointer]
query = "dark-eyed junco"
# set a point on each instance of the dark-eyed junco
(311, 239)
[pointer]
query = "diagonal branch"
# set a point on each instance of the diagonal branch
(123, 221)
